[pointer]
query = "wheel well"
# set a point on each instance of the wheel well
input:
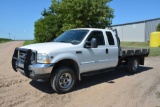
(140, 58)
(125, 60)
(68, 63)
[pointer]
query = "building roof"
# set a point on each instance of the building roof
(136, 22)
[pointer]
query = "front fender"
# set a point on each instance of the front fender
(62, 56)
(71, 56)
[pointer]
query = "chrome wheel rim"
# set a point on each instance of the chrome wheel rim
(65, 80)
(135, 65)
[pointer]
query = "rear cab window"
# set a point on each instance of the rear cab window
(110, 38)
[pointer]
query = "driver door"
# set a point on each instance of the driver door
(95, 58)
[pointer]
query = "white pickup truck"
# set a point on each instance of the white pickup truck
(75, 53)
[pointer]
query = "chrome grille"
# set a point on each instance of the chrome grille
(22, 55)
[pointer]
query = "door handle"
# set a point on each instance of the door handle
(106, 51)
(78, 52)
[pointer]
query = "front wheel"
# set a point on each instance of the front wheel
(133, 65)
(63, 80)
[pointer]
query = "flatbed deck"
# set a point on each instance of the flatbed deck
(129, 51)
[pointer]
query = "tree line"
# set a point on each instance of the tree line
(68, 14)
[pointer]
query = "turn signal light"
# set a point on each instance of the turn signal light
(47, 61)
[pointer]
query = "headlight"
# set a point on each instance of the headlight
(43, 58)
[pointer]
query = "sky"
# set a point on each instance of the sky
(17, 17)
(127, 11)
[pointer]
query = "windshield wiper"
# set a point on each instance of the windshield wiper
(63, 41)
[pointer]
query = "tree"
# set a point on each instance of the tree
(84, 13)
(158, 27)
(68, 14)
(46, 29)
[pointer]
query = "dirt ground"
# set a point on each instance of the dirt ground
(111, 89)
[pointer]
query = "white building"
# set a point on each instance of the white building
(136, 31)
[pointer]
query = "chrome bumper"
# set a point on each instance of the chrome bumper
(37, 71)
(27, 66)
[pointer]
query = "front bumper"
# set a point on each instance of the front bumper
(28, 68)
(36, 71)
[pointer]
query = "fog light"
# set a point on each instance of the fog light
(32, 73)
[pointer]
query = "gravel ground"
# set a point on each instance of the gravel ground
(111, 89)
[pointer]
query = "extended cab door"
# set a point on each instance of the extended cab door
(95, 58)
(112, 47)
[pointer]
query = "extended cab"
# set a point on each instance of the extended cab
(75, 53)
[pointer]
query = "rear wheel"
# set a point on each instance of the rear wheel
(63, 80)
(133, 65)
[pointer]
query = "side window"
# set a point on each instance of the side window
(98, 35)
(110, 38)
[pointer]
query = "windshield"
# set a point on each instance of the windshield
(72, 36)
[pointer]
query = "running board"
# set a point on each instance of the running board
(97, 72)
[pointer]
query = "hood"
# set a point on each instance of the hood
(48, 47)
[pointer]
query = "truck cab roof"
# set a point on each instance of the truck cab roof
(93, 29)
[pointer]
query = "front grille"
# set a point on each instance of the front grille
(22, 55)
(22, 58)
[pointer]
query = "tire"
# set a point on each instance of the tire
(63, 80)
(133, 65)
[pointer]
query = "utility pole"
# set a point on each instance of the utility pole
(9, 35)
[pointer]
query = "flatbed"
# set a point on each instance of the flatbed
(129, 51)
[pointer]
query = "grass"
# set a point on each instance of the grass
(157, 94)
(28, 42)
(154, 51)
(135, 44)
(3, 40)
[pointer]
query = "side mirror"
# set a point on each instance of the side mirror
(91, 44)
(94, 43)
